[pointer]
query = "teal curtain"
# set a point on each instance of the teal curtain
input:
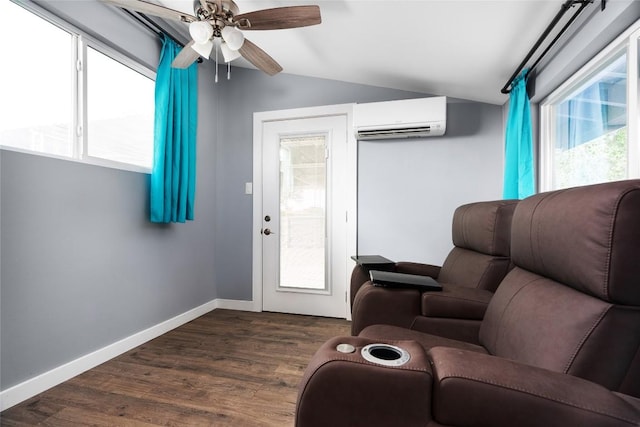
(173, 177)
(519, 181)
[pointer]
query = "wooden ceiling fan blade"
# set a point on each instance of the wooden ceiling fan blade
(259, 58)
(280, 18)
(185, 57)
(152, 9)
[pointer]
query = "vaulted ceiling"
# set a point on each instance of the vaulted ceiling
(461, 48)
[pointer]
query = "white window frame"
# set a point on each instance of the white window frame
(628, 41)
(79, 124)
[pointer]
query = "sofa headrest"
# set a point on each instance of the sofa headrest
(585, 237)
(484, 226)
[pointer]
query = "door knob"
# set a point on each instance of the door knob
(266, 232)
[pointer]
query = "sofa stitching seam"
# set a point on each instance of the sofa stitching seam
(484, 273)
(584, 339)
(499, 323)
(542, 395)
(458, 298)
(366, 362)
(540, 258)
(465, 239)
(612, 224)
(494, 232)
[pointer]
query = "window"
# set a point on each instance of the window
(72, 97)
(37, 99)
(119, 112)
(590, 124)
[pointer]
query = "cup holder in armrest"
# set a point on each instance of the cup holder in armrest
(385, 354)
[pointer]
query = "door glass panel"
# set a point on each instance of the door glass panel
(303, 194)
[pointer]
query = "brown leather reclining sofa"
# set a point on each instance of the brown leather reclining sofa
(471, 272)
(559, 344)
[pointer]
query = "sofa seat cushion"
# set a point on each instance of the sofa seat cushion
(387, 333)
(456, 302)
(469, 387)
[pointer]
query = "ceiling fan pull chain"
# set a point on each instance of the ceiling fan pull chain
(216, 78)
(228, 70)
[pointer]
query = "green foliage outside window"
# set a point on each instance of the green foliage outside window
(600, 160)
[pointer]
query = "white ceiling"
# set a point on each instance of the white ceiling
(460, 48)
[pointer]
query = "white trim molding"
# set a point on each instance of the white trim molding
(40, 383)
(232, 304)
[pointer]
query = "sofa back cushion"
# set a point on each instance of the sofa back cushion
(571, 303)
(587, 238)
(543, 323)
(484, 227)
(481, 234)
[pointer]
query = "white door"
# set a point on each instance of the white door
(304, 229)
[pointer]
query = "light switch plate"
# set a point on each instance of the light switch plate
(248, 188)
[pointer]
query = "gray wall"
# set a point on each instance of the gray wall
(408, 189)
(425, 181)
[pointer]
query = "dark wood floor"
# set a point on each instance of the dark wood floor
(226, 368)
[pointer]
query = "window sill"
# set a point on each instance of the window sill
(94, 161)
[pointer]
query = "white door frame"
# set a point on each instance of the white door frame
(351, 185)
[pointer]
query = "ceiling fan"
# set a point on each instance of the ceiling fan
(219, 22)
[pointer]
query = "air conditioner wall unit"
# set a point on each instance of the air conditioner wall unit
(407, 118)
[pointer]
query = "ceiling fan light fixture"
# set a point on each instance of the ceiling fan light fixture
(233, 37)
(228, 53)
(200, 31)
(203, 49)
(216, 21)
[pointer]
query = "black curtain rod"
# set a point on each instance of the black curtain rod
(152, 26)
(563, 9)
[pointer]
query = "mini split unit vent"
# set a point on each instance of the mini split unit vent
(409, 118)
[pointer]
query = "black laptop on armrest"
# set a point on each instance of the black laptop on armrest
(390, 279)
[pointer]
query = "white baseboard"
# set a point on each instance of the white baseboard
(232, 304)
(33, 386)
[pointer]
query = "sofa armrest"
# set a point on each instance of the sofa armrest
(378, 305)
(359, 276)
(344, 389)
(417, 268)
(475, 389)
(360, 273)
